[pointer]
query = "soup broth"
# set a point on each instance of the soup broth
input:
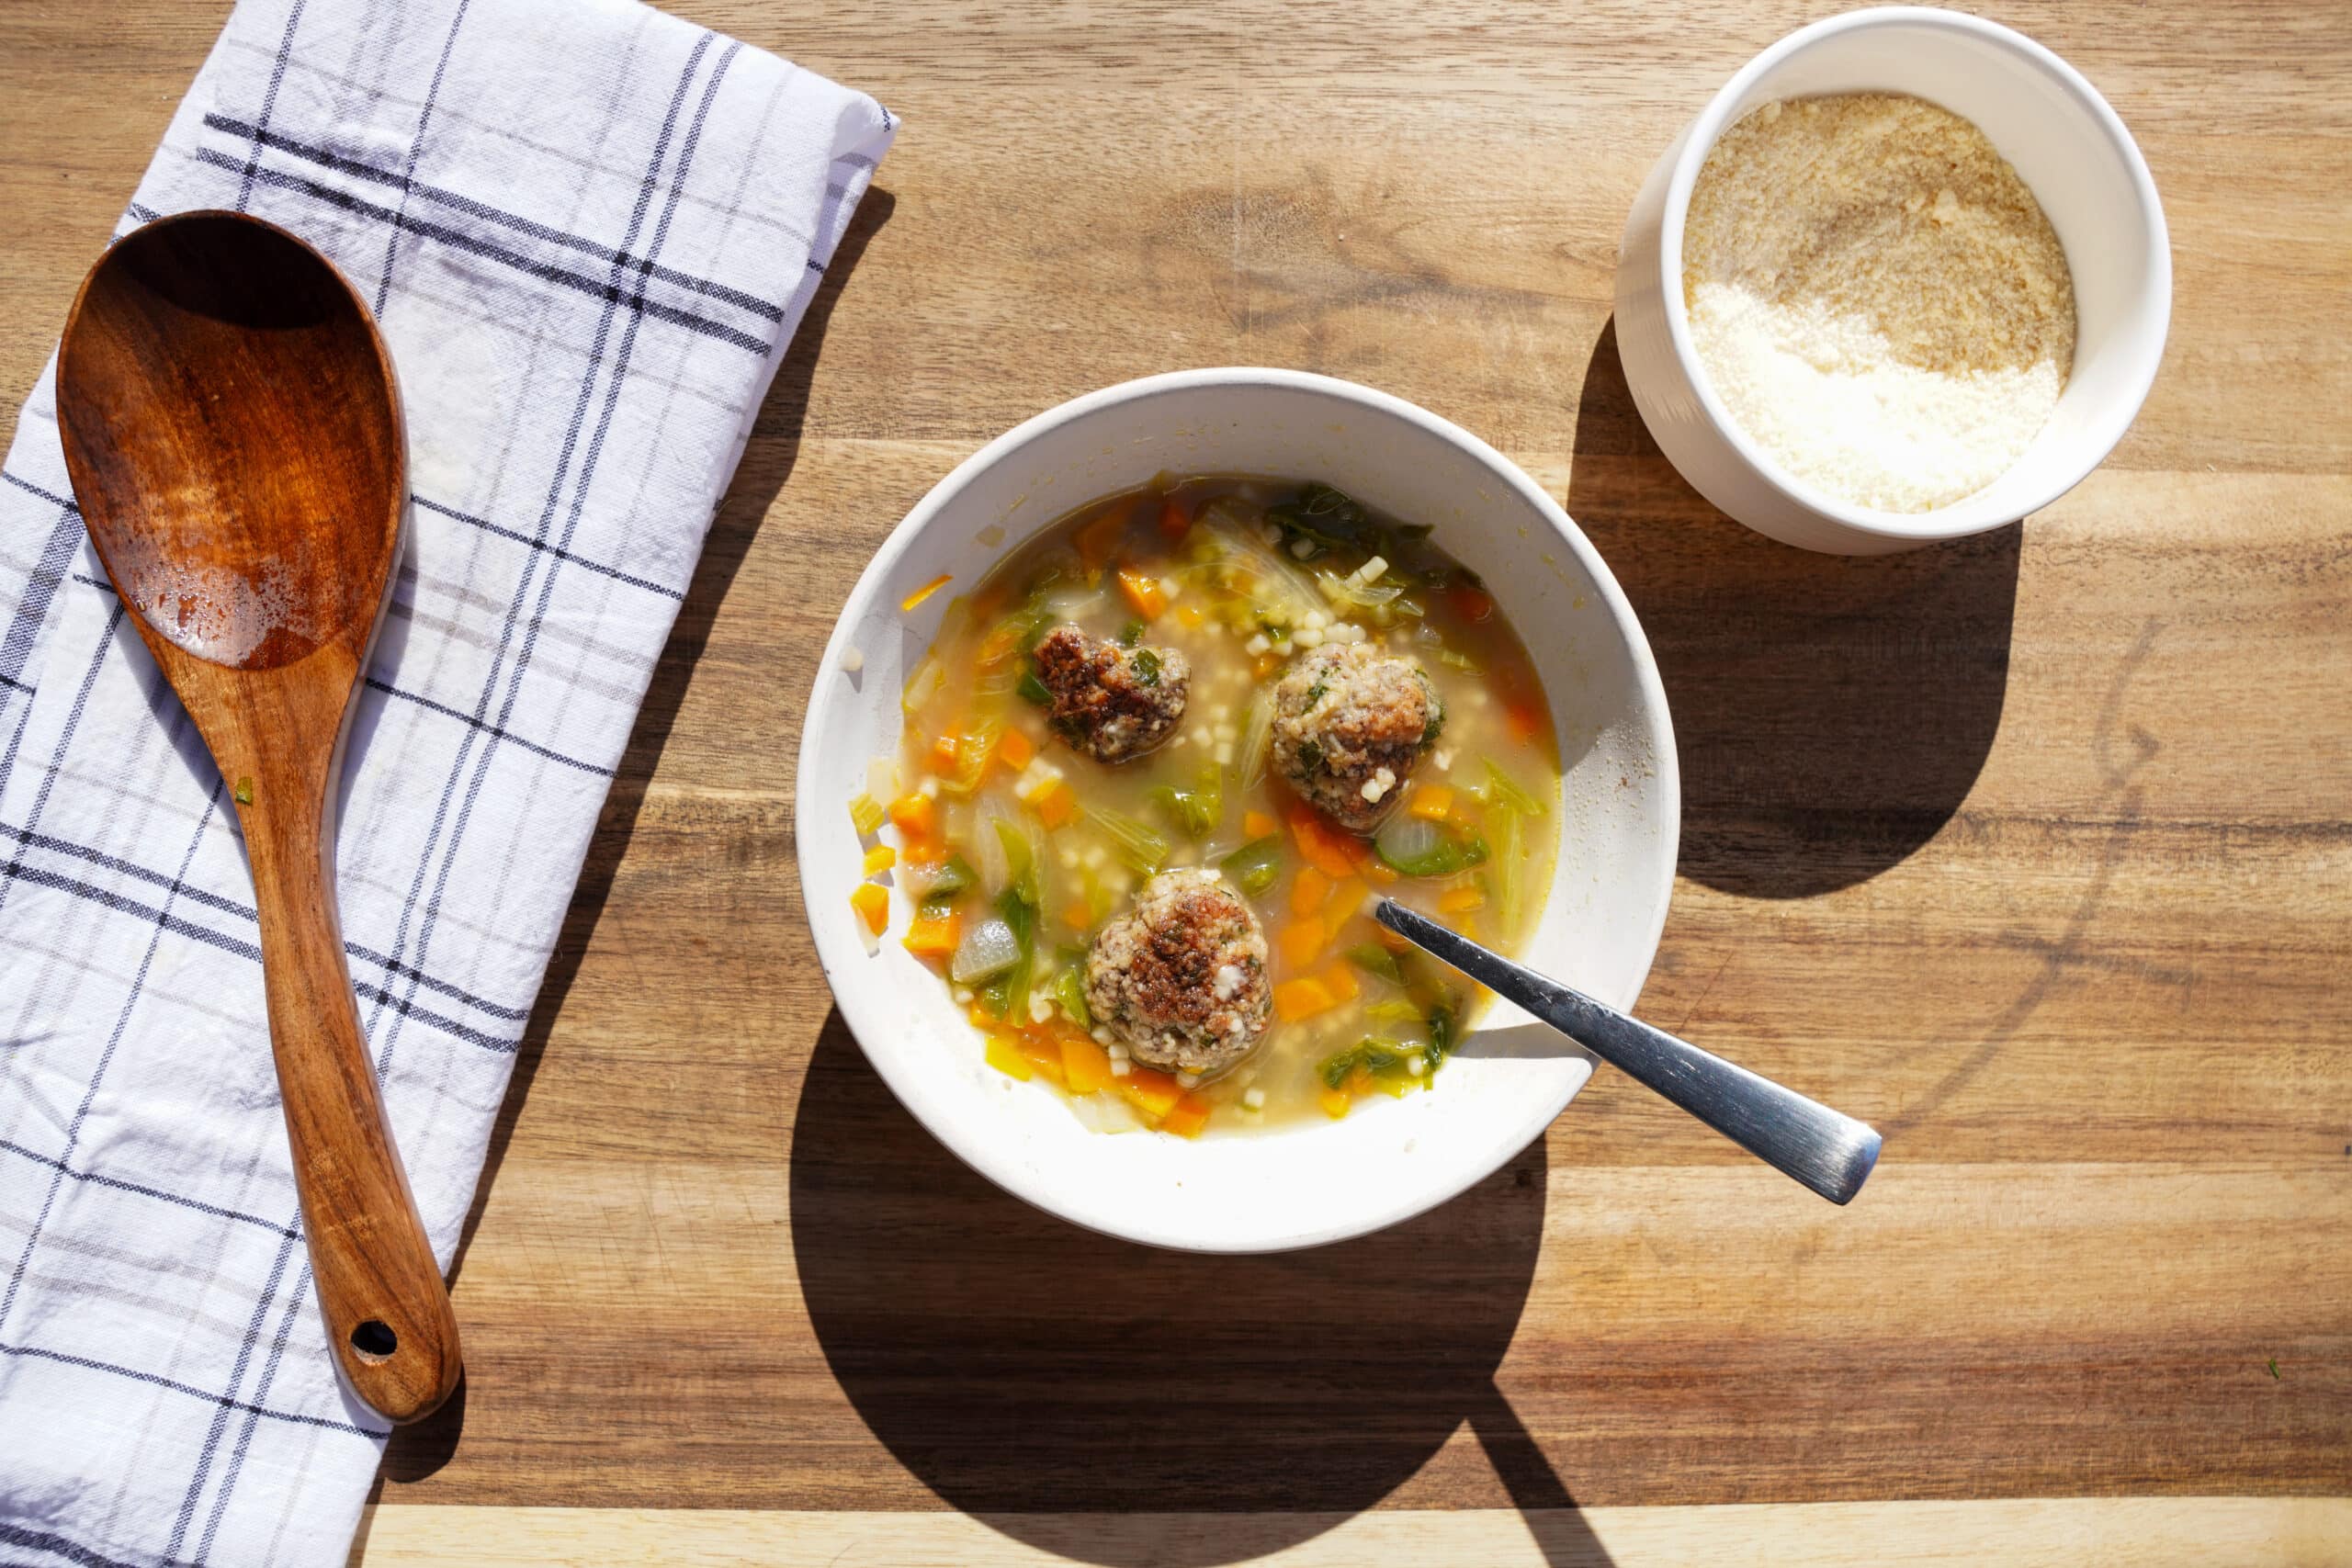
(1110, 704)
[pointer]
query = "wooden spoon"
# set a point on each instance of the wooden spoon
(235, 439)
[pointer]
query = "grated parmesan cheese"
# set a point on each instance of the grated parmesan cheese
(1877, 297)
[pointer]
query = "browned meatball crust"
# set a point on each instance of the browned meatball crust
(1182, 977)
(1350, 720)
(1111, 703)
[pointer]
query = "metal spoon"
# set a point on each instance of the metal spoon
(235, 439)
(1832, 1154)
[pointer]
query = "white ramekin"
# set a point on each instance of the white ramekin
(2082, 166)
(1620, 811)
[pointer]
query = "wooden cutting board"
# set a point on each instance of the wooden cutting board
(2033, 851)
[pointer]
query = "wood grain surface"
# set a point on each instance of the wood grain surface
(2033, 851)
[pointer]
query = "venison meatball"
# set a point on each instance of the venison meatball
(1181, 978)
(1349, 723)
(1111, 703)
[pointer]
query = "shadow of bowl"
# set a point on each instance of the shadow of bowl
(1026, 1370)
(1831, 712)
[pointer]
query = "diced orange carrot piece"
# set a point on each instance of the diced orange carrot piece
(1187, 1118)
(1056, 806)
(925, 591)
(1175, 522)
(1463, 899)
(1307, 894)
(1078, 916)
(1017, 749)
(1432, 801)
(1335, 1103)
(1303, 998)
(1525, 719)
(1153, 1093)
(879, 859)
(947, 754)
(1005, 1055)
(1324, 847)
(872, 902)
(1189, 617)
(1392, 941)
(1256, 824)
(1043, 1049)
(1143, 592)
(1376, 870)
(917, 814)
(1346, 902)
(1097, 539)
(1340, 980)
(924, 851)
(999, 645)
(1301, 941)
(1472, 604)
(935, 936)
(1266, 664)
(1086, 1067)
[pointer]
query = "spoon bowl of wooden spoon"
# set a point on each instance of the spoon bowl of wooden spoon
(233, 430)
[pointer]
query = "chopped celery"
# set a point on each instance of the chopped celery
(866, 813)
(1021, 862)
(1511, 865)
(1393, 1010)
(939, 880)
(1034, 690)
(1255, 864)
(1197, 810)
(1501, 787)
(1374, 959)
(1257, 740)
(1140, 847)
(1415, 846)
(1443, 1021)
(1070, 990)
(1021, 916)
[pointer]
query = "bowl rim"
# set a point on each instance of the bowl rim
(1010, 1174)
(1959, 518)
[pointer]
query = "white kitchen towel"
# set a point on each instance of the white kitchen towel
(588, 230)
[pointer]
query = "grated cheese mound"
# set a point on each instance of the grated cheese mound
(1877, 297)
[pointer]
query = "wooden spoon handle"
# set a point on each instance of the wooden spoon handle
(386, 1308)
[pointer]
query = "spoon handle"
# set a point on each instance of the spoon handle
(388, 1313)
(1828, 1152)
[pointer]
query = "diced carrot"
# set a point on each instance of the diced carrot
(872, 902)
(917, 814)
(924, 851)
(1056, 806)
(947, 754)
(1153, 1093)
(1340, 980)
(1078, 916)
(926, 590)
(1175, 522)
(1335, 1103)
(1376, 870)
(981, 1021)
(935, 936)
(1043, 1049)
(879, 859)
(1187, 1118)
(1300, 942)
(1143, 592)
(1256, 824)
(1392, 941)
(1266, 664)
(1017, 749)
(1324, 847)
(1189, 617)
(1346, 902)
(1463, 899)
(1307, 894)
(1006, 1056)
(1097, 539)
(1086, 1067)
(1525, 718)
(1432, 801)
(1303, 998)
